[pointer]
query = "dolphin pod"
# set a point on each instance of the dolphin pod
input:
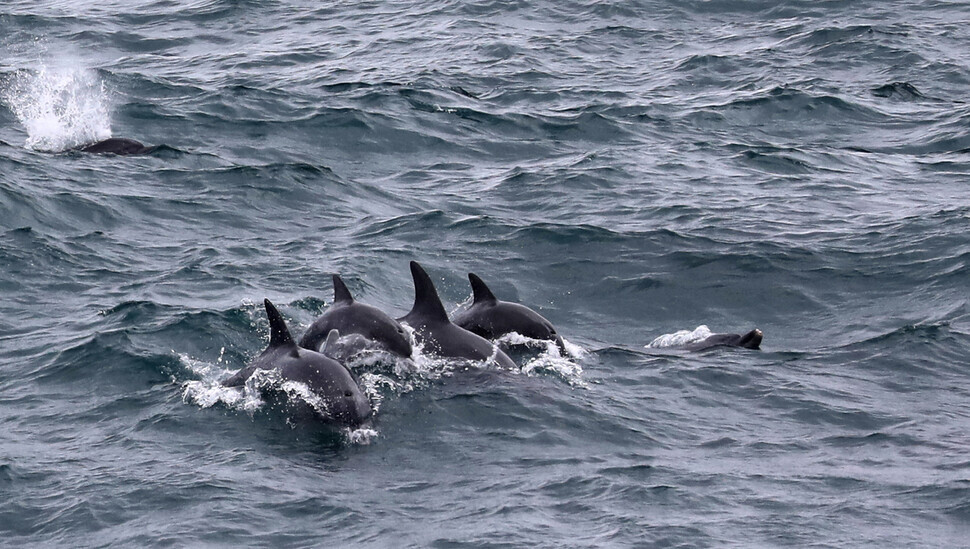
(316, 360)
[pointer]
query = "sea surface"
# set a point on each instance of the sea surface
(640, 173)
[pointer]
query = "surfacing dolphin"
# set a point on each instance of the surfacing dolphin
(351, 317)
(750, 340)
(492, 319)
(439, 335)
(345, 348)
(116, 145)
(329, 380)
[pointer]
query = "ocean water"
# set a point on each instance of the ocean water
(638, 172)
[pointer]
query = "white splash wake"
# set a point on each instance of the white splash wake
(550, 359)
(683, 337)
(60, 107)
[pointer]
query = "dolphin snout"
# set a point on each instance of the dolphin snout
(353, 409)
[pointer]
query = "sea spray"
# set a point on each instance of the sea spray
(681, 337)
(60, 107)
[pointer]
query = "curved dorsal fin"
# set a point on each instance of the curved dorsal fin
(340, 292)
(427, 304)
(480, 290)
(332, 338)
(278, 334)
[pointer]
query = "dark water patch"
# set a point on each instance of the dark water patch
(946, 166)
(814, 412)
(828, 35)
(792, 105)
(107, 358)
(127, 41)
(565, 234)
(881, 440)
(903, 91)
(230, 337)
(776, 163)
(888, 352)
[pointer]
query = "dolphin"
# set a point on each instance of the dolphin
(440, 336)
(116, 145)
(329, 380)
(351, 317)
(750, 340)
(344, 348)
(492, 319)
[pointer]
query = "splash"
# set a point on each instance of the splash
(61, 108)
(209, 390)
(550, 359)
(361, 436)
(683, 337)
(378, 374)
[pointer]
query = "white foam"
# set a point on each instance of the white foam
(683, 337)
(550, 359)
(209, 391)
(61, 107)
(361, 436)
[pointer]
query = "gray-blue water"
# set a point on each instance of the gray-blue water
(629, 169)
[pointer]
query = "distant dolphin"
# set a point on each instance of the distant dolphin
(116, 145)
(440, 336)
(492, 319)
(750, 340)
(351, 317)
(329, 380)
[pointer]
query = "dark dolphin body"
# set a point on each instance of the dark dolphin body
(328, 379)
(750, 340)
(492, 319)
(440, 336)
(116, 145)
(351, 317)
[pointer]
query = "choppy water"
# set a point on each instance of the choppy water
(631, 170)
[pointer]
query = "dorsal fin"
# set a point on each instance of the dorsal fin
(331, 341)
(340, 292)
(427, 304)
(278, 334)
(480, 290)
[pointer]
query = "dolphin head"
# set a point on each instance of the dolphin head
(752, 339)
(331, 381)
(350, 406)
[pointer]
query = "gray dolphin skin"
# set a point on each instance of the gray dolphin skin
(439, 335)
(116, 145)
(343, 349)
(750, 340)
(351, 317)
(346, 404)
(492, 319)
